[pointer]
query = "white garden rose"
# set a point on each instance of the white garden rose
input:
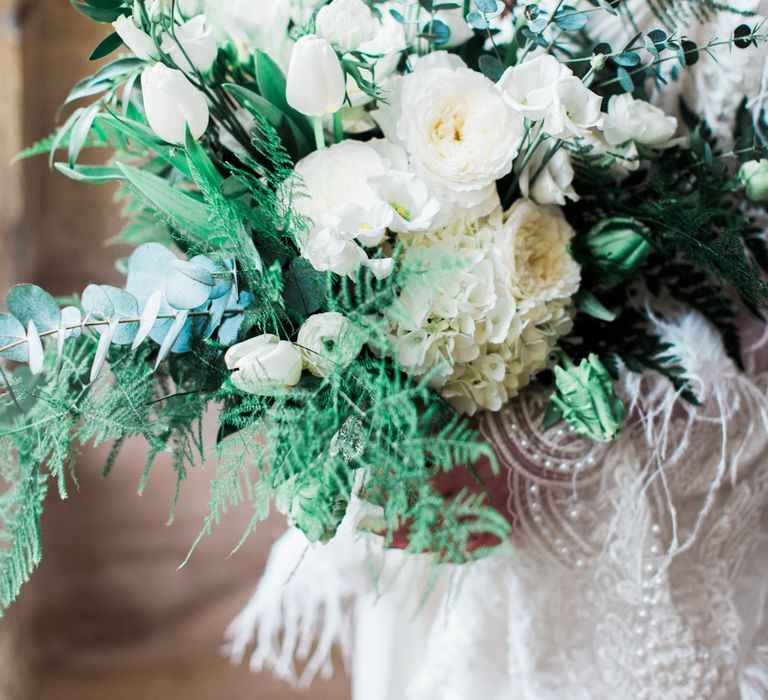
(136, 40)
(172, 104)
(262, 364)
(193, 46)
(535, 248)
(638, 121)
(454, 124)
(543, 89)
(346, 24)
(326, 341)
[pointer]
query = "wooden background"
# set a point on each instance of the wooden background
(108, 615)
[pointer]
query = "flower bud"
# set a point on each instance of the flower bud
(754, 176)
(315, 508)
(328, 341)
(263, 362)
(346, 24)
(137, 41)
(193, 46)
(616, 248)
(585, 399)
(315, 83)
(171, 103)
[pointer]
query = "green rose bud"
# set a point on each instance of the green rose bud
(754, 176)
(586, 400)
(616, 248)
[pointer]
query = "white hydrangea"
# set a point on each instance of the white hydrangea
(479, 325)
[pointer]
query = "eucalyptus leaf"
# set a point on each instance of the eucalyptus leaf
(12, 332)
(28, 302)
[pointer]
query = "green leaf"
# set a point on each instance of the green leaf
(100, 14)
(591, 305)
(80, 131)
(106, 47)
(92, 174)
(181, 210)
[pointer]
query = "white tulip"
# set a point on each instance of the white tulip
(327, 341)
(194, 41)
(346, 24)
(171, 103)
(137, 41)
(315, 83)
(261, 363)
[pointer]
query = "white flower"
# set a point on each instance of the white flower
(190, 8)
(346, 24)
(326, 341)
(263, 362)
(554, 181)
(539, 265)
(333, 244)
(261, 24)
(315, 83)
(543, 89)
(172, 103)
(638, 121)
(137, 41)
(454, 124)
(454, 19)
(194, 41)
(413, 206)
(339, 175)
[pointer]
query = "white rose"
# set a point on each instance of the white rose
(535, 249)
(346, 24)
(172, 103)
(639, 121)
(194, 41)
(543, 89)
(137, 41)
(315, 84)
(261, 363)
(554, 181)
(454, 124)
(326, 341)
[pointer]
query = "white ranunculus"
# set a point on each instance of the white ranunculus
(261, 364)
(138, 42)
(554, 181)
(543, 89)
(346, 24)
(413, 206)
(535, 251)
(194, 45)
(638, 121)
(454, 124)
(171, 103)
(326, 341)
(315, 84)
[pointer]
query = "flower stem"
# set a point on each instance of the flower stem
(317, 124)
(338, 127)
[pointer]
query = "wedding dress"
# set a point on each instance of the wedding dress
(638, 570)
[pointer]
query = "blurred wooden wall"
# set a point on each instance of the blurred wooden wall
(108, 615)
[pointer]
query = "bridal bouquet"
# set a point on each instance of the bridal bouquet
(358, 224)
